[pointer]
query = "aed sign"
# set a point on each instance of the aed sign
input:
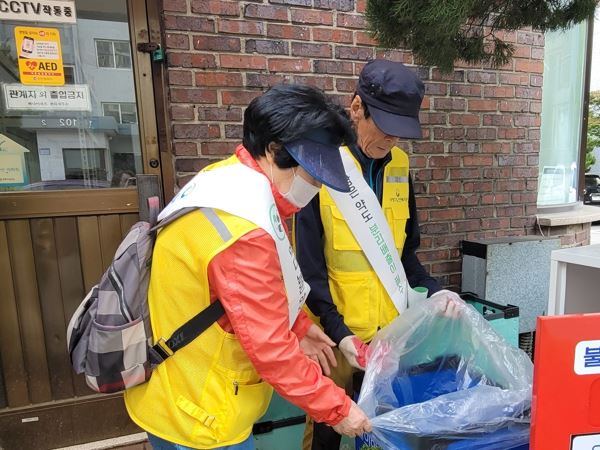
(45, 11)
(40, 56)
(586, 442)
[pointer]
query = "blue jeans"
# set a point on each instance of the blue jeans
(160, 444)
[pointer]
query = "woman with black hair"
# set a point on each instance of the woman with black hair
(233, 248)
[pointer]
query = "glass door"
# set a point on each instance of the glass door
(69, 115)
(77, 128)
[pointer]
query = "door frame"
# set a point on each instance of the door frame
(161, 88)
(85, 418)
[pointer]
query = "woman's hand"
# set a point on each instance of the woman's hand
(318, 347)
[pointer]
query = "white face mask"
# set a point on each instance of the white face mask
(301, 191)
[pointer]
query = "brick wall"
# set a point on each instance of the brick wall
(475, 171)
(570, 235)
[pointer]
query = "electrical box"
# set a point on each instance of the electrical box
(510, 270)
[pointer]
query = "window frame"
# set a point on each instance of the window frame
(128, 47)
(120, 105)
(563, 207)
(134, 112)
(585, 106)
(114, 54)
(96, 41)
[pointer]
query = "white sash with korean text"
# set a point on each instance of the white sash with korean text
(243, 192)
(366, 220)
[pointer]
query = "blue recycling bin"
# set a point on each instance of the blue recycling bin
(425, 382)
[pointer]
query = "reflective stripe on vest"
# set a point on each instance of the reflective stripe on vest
(208, 394)
(355, 287)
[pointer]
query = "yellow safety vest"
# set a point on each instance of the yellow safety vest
(208, 394)
(355, 287)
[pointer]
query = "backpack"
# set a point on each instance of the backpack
(109, 337)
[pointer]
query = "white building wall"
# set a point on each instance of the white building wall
(106, 84)
(51, 143)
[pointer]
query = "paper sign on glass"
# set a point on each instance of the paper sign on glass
(40, 56)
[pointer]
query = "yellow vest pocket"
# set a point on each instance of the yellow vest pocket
(352, 293)
(230, 406)
(343, 239)
(247, 404)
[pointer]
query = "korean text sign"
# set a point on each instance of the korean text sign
(55, 11)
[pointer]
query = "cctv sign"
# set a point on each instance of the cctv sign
(45, 11)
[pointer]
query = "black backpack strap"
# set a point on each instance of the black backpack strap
(186, 333)
(197, 324)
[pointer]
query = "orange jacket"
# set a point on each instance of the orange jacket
(247, 278)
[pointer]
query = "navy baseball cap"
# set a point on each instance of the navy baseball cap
(318, 153)
(393, 94)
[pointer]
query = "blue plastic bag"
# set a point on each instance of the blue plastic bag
(446, 383)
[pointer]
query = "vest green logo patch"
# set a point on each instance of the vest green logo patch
(276, 223)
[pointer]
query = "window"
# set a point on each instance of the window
(84, 163)
(593, 124)
(562, 103)
(46, 146)
(69, 74)
(113, 54)
(122, 112)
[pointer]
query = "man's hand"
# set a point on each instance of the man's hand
(355, 424)
(453, 305)
(355, 351)
(317, 346)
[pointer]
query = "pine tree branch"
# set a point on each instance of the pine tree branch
(440, 32)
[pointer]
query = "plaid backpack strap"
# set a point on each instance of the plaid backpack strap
(186, 333)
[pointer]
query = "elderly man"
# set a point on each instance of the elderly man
(348, 296)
